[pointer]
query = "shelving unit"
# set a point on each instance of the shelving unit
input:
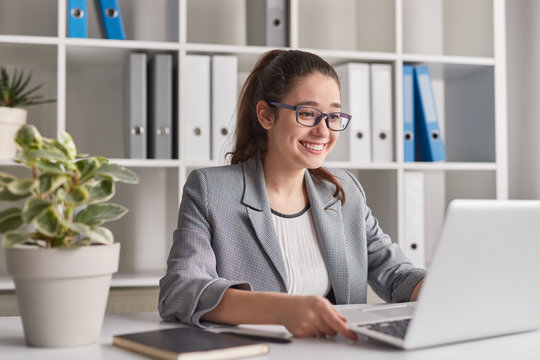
(465, 52)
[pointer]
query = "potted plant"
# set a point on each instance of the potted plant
(15, 94)
(58, 252)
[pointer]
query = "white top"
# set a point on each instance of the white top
(301, 251)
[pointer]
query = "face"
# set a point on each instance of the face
(296, 146)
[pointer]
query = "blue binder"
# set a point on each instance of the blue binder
(408, 113)
(77, 19)
(428, 144)
(111, 19)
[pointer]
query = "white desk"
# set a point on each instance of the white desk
(521, 346)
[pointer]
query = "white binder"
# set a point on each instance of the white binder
(381, 113)
(414, 244)
(355, 100)
(195, 142)
(224, 98)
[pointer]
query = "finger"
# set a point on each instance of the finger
(339, 324)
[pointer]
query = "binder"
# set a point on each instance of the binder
(428, 145)
(414, 244)
(267, 22)
(408, 113)
(224, 89)
(111, 19)
(77, 19)
(381, 112)
(195, 142)
(355, 100)
(136, 109)
(160, 107)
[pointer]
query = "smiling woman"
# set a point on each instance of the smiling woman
(270, 239)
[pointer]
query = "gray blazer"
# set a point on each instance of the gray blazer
(226, 238)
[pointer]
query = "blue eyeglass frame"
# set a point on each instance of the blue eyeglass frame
(318, 119)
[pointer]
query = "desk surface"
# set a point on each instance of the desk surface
(520, 346)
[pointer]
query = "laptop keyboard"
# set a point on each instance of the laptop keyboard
(396, 328)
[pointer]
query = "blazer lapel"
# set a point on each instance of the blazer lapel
(326, 211)
(260, 215)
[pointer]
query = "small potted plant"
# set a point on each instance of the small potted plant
(14, 95)
(60, 256)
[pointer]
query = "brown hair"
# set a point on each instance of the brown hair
(273, 77)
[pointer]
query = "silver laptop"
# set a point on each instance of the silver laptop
(484, 280)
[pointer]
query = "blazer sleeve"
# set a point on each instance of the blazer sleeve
(191, 287)
(390, 274)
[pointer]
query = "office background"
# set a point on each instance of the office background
(481, 71)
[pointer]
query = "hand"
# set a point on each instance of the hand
(312, 316)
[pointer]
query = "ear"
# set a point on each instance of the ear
(265, 115)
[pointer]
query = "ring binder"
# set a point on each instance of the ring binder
(77, 19)
(111, 19)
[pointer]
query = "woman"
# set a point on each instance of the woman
(274, 238)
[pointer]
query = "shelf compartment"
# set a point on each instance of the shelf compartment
(380, 187)
(143, 20)
(441, 187)
(145, 232)
(216, 22)
(95, 108)
(442, 27)
(14, 17)
(361, 25)
(465, 102)
(40, 61)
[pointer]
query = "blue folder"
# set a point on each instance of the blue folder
(408, 113)
(428, 144)
(77, 19)
(111, 19)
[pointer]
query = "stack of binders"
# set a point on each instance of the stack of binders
(422, 139)
(211, 84)
(150, 117)
(111, 19)
(366, 93)
(267, 22)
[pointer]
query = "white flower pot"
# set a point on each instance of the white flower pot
(11, 119)
(62, 293)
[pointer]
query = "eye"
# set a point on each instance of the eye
(334, 117)
(307, 114)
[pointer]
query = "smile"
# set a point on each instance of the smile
(315, 147)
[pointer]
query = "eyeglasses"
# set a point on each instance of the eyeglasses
(310, 116)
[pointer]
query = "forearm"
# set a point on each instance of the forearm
(416, 291)
(247, 307)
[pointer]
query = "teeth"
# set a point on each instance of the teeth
(313, 146)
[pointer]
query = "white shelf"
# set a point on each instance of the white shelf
(461, 49)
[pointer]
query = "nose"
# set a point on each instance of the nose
(321, 129)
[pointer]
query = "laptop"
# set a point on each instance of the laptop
(483, 280)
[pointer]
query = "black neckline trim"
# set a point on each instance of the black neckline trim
(290, 216)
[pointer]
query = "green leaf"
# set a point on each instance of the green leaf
(117, 173)
(28, 137)
(49, 183)
(49, 167)
(86, 167)
(97, 214)
(77, 196)
(75, 227)
(99, 190)
(14, 238)
(50, 155)
(6, 178)
(80, 243)
(22, 186)
(6, 195)
(10, 219)
(101, 235)
(66, 140)
(34, 207)
(48, 222)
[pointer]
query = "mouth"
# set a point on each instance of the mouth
(313, 147)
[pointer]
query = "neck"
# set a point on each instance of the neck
(285, 187)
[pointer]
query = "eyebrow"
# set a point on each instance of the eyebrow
(314, 103)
